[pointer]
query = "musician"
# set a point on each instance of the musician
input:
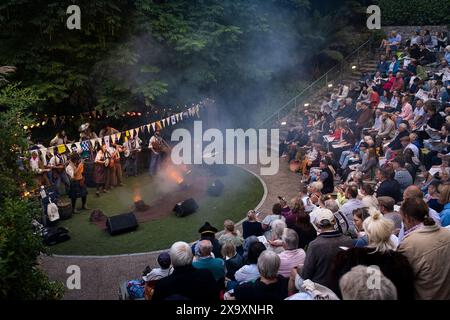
(78, 189)
(60, 138)
(86, 133)
(131, 148)
(157, 145)
(107, 131)
(116, 168)
(57, 164)
(38, 168)
(103, 164)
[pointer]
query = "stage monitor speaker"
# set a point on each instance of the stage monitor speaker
(216, 188)
(185, 208)
(121, 223)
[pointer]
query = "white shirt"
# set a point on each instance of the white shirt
(56, 161)
(415, 151)
(153, 140)
(247, 273)
(34, 164)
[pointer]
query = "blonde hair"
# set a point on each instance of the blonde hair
(228, 249)
(379, 230)
(318, 185)
(229, 226)
(444, 194)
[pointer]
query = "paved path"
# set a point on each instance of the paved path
(101, 276)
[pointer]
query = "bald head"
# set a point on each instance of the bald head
(412, 192)
(205, 248)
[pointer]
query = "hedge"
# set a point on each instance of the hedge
(414, 12)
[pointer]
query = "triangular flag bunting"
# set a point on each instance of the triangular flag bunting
(181, 115)
(131, 133)
(163, 121)
(153, 126)
(107, 140)
(61, 148)
(168, 121)
(174, 120)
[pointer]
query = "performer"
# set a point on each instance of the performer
(75, 170)
(103, 164)
(58, 173)
(116, 169)
(86, 133)
(131, 148)
(60, 138)
(38, 168)
(107, 131)
(157, 147)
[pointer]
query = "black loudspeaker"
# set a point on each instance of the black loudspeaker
(185, 207)
(121, 223)
(216, 188)
(55, 235)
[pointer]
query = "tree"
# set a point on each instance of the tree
(20, 244)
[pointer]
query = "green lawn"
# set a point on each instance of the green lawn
(242, 192)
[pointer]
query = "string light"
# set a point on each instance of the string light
(25, 127)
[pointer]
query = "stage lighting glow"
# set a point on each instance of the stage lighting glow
(284, 123)
(353, 67)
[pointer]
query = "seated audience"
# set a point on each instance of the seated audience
(427, 247)
(292, 256)
(186, 282)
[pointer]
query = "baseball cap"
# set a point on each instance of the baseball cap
(324, 217)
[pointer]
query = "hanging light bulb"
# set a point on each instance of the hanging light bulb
(25, 127)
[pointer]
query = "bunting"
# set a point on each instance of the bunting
(115, 138)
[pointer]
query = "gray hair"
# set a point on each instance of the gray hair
(181, 254)
(278, 227)
(205, 248)
(331, 205)
(367, 283)
(290, 238)
(268, 264)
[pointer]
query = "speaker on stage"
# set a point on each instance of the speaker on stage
(185, 208)
(121, 223)
(216, 188)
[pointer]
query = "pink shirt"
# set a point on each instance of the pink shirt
(407, 112)
(289, 259)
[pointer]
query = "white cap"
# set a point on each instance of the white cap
(323, 214)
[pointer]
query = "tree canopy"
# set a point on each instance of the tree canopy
(132, 55)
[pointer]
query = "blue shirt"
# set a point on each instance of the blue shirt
(445, 215)
(215, 265)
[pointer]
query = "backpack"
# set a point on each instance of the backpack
(136, 289)
(52, 211)
(342, 222)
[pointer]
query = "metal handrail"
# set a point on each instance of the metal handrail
(324, 76)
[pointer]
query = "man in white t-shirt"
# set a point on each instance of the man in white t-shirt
(58, 174)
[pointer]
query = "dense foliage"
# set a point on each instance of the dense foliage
(130, 55)
(415, 12)
(20, 245)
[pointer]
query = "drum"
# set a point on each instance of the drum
(65, 209)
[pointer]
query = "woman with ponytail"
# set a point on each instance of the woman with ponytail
(231, 235)
(427, 247)
(379, 253)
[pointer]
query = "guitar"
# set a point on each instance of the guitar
(109, 160)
